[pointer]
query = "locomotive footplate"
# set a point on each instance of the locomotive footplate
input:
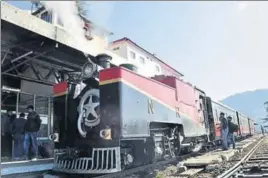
(101, 161)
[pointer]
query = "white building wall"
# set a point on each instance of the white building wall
(119, 49)
(146, 63)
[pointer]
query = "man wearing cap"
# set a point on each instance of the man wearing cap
(224, 131)
(32, 126)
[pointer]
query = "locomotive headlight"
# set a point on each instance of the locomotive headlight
(106, 134)
(88, 70)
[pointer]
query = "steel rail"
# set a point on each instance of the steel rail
(236, 167)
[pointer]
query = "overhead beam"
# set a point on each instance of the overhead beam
(22, 56)
(37, 74)
(30, 79)
(3, 59)
(27, 60)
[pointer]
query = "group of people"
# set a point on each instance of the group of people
(227, 131)
(22, 132)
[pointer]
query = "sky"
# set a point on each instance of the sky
(221, 47)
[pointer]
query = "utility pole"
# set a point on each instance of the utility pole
(266, 116)
(266, 107)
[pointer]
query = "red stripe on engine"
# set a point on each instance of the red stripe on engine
(109, 74)
(60, 88)
(162, 92)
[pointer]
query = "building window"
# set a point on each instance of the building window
(142, 60)
(133, 55)
(46, 17)
(116, 48)
(157, 68)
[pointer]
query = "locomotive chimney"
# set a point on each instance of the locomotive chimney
(104, 60)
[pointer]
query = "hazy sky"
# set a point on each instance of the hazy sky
(221, 47)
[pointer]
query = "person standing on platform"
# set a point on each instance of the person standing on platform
(224, 131)
(18, 136)
(6, 136)
(32, 126)
(262, 130)
(232, 128)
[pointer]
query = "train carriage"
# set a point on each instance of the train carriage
(217, 108)
(243, 125)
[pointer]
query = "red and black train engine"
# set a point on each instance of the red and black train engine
(121, 119)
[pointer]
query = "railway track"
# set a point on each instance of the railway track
(253, 164)
(215, 168)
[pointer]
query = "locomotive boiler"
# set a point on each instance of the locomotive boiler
(121, 119)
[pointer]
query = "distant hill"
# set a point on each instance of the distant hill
(249, 103)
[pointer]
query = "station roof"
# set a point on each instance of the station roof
(26, 39)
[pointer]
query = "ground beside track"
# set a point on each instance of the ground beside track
(209, 169)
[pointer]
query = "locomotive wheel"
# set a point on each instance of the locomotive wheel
(177, 142)
(168, 147)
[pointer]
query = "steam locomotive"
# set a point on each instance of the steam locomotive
(121, 119)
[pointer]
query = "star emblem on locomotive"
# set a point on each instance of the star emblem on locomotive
(88, 111)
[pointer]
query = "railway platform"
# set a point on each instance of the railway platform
(15, 169)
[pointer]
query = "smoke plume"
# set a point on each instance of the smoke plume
(67, 12)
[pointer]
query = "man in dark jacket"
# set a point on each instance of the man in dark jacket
(224, 131)
(18, 136)
(232, 128)
(32, 126)
(6, 136)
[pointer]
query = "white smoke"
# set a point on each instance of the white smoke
(67, 12)
(242, 5)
